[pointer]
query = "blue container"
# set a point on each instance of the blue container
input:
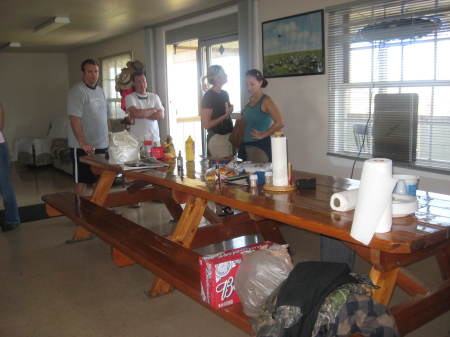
(261, 177)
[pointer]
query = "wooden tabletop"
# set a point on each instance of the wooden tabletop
(310, 209)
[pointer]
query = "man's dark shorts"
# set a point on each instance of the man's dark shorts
(82, 172)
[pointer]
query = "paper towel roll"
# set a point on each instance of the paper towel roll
(373, 211)
(279, 161)
(344, 201)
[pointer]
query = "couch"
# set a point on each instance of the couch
(53, 148)
(49, 150)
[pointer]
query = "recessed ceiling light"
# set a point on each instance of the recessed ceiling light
(51, 25)
(10, 44)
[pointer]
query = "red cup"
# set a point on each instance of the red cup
(158, 152)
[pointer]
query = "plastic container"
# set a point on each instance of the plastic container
(157, 152)
(148, 144)
(253, 180)
(406, 184)
(268, 177)
(190, 149)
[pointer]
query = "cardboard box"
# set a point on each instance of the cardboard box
(217, 273)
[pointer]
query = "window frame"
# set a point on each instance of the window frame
(102, 79)
(340, 79)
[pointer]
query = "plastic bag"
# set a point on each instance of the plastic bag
(123, 147)
(259, 274)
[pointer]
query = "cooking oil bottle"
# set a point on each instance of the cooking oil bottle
(190, 149)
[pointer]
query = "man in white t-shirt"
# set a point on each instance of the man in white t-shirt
(145, 108)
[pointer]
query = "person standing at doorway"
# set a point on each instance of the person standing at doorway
(216, 114)
(88, 113)
(262, 119)
(145, 108)
(11, 219)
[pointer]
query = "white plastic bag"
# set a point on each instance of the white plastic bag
(123, 147)
(259, 274)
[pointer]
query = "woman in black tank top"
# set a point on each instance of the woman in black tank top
(216, 114)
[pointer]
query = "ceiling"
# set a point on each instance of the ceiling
(91, 20)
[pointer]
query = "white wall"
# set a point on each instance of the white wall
(133, 42)
(33, 89)
(303, 103)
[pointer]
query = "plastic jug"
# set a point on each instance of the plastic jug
(190, 149)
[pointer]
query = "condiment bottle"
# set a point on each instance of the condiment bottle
(148, 143)
(190, 149)
(180, 164)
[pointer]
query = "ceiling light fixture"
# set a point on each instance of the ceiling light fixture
(51, 25)
(10, 44)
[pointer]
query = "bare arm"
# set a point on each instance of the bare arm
(2, 117)
(269, 107)
(209, 123)
(75, 123)
(151, 113)
(158, 115)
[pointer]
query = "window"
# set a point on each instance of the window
(385, 51)
(111, 67)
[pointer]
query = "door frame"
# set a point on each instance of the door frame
(203, 62)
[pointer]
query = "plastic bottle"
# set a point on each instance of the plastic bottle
(180, 164)
(190, 149)
(268, 178)
(253, 180)
(148, 143)
(169, 149)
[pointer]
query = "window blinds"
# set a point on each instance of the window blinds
(389, 81)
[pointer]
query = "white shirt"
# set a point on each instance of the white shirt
(143, 126)
(2, 138)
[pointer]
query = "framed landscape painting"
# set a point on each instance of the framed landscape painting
(294, 46)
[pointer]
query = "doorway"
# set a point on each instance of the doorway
(187, 63)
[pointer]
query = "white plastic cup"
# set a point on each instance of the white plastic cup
(253, 180)
(406, 184)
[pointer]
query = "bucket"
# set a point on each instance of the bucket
(406, 184)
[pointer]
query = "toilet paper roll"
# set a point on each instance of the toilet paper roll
(344, 201)
(279, 161)
(373, 211)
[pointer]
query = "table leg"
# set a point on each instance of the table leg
(270, 231)
(386, 280)
(183, 234)
(99, 196)
(443, 258)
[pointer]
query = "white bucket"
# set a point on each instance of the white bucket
(406, 184)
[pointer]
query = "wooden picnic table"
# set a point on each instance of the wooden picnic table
(411, 239)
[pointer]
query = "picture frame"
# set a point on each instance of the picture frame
(294, 45)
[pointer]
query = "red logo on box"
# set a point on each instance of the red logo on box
(217, 273)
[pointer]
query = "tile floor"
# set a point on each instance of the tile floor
(52, 289)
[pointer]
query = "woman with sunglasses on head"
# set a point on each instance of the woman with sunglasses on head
(216, 114)
(262, 118)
